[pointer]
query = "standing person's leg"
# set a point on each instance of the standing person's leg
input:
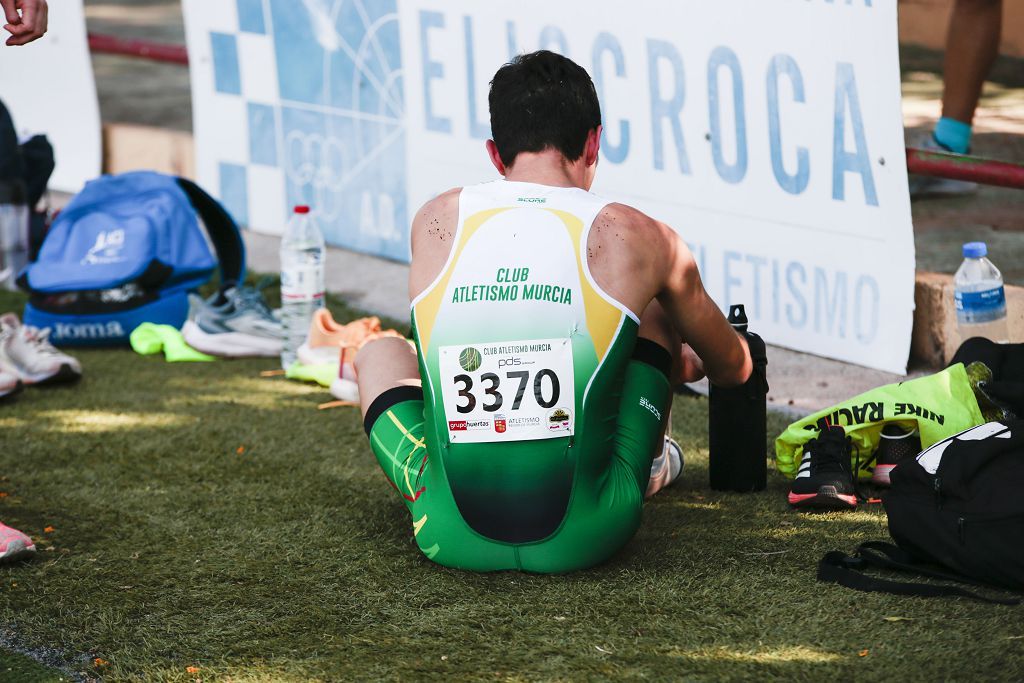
(972, 45)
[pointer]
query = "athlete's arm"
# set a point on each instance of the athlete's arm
(635, 259)
(722, 352)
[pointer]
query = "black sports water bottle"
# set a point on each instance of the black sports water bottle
(737, 422)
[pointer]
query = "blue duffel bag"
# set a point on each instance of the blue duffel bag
(127, 250)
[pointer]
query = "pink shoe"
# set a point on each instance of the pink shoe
(14, 545)
(326, 336)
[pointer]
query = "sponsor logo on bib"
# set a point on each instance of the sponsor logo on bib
(513, 390)
(470, 359)
(559, 419)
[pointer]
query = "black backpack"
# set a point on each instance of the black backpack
(958, 505)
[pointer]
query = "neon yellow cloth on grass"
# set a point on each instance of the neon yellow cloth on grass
(938, 405)
(150, 338)
(322, 373)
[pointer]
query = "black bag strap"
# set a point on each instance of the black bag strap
(222, 229)
(845, 570)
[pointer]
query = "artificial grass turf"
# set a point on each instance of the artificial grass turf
(202, 516)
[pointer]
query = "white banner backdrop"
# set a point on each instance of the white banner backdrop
(768, 133)
(48, 87)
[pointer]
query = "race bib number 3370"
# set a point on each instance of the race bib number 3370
(508, 391)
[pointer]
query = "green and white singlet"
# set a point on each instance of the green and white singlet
(532, 445)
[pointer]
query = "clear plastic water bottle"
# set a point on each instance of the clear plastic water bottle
(979, 295)
(302, 280)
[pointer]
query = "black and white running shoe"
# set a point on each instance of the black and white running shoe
(824, 480)
(895, 445)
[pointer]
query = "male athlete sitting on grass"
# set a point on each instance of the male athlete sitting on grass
(549, 328)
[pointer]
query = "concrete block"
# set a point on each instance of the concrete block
(129, 147)
(935, 337)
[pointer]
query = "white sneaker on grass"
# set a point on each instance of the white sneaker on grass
(666, 468)
(26, 351)
(9, 383)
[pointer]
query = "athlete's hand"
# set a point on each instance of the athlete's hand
(27, 25)
(688, 366)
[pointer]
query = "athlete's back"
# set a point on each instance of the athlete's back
(521, 353)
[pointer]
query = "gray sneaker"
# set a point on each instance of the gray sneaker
(923, 186)
(234, 322)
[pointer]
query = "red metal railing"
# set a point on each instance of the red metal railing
(964, 167)
(920, 161)
(158, 52)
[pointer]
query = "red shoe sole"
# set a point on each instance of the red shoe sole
(823, 501)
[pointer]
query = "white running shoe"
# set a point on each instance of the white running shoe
(234, 323)
(27, 351)
(14, 545)
(9, 382)
(922, 186)
(666, 468)
(344, 387)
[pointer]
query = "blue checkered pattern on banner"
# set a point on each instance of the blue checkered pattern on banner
(319, 86)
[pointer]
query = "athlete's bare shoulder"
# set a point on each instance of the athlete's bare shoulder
(626, 252)
(629, 225)
(438, 219)
(433, 232)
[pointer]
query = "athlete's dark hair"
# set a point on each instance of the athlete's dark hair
(540, 101)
